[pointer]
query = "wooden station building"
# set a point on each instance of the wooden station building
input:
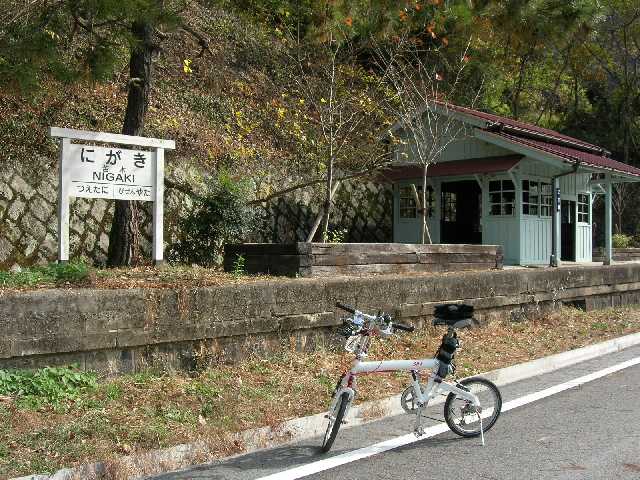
(504, 182)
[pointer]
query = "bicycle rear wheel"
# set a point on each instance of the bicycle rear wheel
(335, 420)
(461, 415)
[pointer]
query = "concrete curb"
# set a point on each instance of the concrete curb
(182, 456)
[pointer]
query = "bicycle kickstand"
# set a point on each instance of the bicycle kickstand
(481, 429)
(419, 429)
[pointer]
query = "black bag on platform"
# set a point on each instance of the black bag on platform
(453, 311)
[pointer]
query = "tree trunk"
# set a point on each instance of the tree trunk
(516, 95)
(328, 201)
(124, 247)
(426, 235)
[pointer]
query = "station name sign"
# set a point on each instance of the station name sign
(113, 173)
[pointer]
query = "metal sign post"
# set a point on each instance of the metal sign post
(92, 171)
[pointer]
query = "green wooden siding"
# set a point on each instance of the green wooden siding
(526, 239)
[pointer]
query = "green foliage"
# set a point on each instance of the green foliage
(73, 272)
(621, 240)
(239, 266)
(336, 236)
(72, 39)
(49, 385)
(220, 216)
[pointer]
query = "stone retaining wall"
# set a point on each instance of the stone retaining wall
(125, 330)
(28, 215)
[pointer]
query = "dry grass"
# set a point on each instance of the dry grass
(169, 276)
(150, 410)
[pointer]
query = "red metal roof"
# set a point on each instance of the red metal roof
(460, 167)
(572, 155)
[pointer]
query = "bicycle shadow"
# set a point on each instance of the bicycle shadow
(286, 457)
(279, 458)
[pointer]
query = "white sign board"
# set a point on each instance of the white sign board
(92, 171)
(115, 173)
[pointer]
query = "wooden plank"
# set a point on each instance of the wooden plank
(262, 264)
(58, 132)
(362, 259)
(457, 258)
(351, 248)
(325, 271)
(304, 260)
(355, 248)
(397, 258)
(356, 259)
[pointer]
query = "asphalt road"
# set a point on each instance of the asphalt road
(588, 432)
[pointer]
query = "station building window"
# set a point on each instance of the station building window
(537, 198)
(583, 208)
(502, 196)
(408, 205)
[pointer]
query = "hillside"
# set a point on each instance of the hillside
(234, 109)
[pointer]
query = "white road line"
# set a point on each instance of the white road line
(342, 459)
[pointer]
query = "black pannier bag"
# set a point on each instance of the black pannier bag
(446, 353)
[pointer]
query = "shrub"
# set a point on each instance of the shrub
(220, 216)
(620, 240)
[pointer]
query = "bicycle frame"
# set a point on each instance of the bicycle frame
(435, 385)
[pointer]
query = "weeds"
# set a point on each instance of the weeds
(239, 266)
(54, 273)
(49, 385)
(600, 325)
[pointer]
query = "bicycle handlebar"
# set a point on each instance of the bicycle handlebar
(346, 307)
(385, 318)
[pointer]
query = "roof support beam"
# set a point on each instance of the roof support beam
(555, 224)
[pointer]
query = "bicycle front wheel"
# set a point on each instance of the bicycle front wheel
(462, 416)
(335, 420)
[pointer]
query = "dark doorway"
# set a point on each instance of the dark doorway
(460, 212)
(568, 231)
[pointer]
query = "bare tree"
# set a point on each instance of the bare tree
(420, 100)
(622, 194)
(345, 106)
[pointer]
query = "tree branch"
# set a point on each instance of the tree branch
(200, 38)
(316, 181)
